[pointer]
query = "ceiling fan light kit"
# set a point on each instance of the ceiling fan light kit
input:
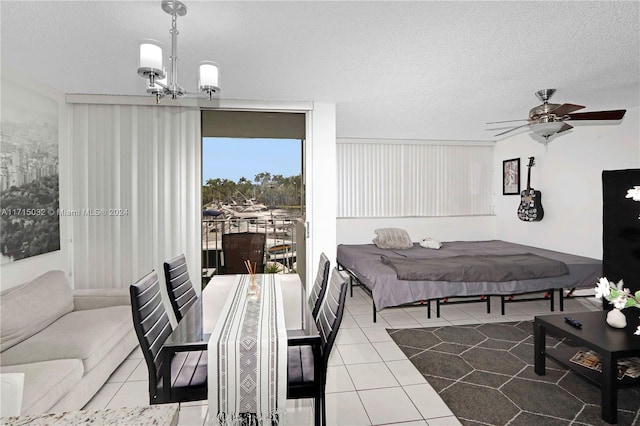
(549, 119)
(151, 66)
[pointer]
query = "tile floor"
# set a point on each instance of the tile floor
(370, 381)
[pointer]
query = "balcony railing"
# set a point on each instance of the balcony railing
(280, 250)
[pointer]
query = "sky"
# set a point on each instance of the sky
(233, 158)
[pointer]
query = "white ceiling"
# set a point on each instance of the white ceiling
(420, 69)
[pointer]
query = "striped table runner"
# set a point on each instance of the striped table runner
(248, 356)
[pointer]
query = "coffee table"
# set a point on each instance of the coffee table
(610, 343)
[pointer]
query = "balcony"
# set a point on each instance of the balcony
(280, 250)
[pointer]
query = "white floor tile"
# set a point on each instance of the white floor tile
(398, 319)
(136, 354)
(140, 373)
(390, 405)
(360, 353)
(427, 400)
(450, 313)
(123, 372)
(192, 415)
(389, 351)
(338, 380)
(371, 376)
(377, 334)
(348, 322)
(345, 408)
(131, 394)
(350, 335)
(444, 421)
(405, 372)
(102, 398)
(366, 321)
(334, 357)
(359, 309)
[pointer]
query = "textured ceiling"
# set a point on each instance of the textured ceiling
(420, 69)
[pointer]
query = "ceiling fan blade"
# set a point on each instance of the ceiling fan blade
(565, 109)
(614, 114)
(507, 121)
(510, 130)
(564, 128)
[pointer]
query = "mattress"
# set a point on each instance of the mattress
(364, 262)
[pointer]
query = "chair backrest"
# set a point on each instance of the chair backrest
(319, 285)
(330, 314)
(179, 287)
(240, 246)
(151, 322)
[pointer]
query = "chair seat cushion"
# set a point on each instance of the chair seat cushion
(301, 368)
(189, 369)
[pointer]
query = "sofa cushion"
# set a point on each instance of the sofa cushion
(29, 308)
(46, 382)
(86, 335)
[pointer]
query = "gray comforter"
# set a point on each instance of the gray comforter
(363, 260)
(491, 268)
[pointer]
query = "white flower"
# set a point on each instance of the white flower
(603, 288)
(637, 331)
(620, 301)
(634, 193)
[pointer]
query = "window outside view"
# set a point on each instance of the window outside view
(251, 185)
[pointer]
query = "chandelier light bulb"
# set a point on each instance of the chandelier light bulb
(208, 77)
(150, 55)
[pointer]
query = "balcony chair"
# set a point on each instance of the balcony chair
(186, 378)
(179, 288)
(308, 355)
(241, 246)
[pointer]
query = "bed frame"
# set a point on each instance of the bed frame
(587, 279)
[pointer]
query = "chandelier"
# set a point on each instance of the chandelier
(151, 66)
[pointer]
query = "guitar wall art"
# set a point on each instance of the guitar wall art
(530, 209)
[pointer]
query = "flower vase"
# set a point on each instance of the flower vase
(616, 319)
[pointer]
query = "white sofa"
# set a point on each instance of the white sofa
(66, 343)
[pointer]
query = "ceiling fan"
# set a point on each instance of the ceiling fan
(548, 119)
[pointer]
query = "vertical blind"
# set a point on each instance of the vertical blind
(395, 178)
(135, 191)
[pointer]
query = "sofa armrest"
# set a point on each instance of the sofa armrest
(84, 299)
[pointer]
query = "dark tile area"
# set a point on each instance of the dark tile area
(485, 374)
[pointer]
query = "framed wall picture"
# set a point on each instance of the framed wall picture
(511, 177)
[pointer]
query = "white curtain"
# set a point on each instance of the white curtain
(135, 192)
(381, 178)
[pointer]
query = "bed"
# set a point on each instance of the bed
(364, 263)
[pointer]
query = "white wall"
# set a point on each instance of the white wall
(568, 173)
(20, 271)
(321, 184)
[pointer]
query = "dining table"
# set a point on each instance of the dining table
(244, 328)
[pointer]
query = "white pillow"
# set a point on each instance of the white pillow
(431, 243)
(392, 238)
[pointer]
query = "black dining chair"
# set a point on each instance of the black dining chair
(185, 378)
(308, 356)
(240, 246)
(319, 285)
(179, 287)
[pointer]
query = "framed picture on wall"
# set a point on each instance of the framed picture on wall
(511, 177)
